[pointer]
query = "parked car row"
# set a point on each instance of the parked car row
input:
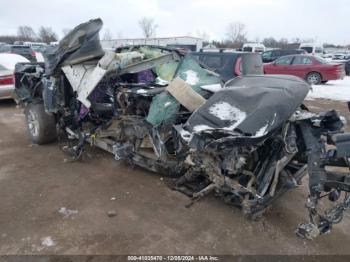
(22, 50)
(340, 56)
(253, 47)
(313, 69)
(312, 48)
(7, 67)
(33, 51)
(227, 65)
(297, 62)
(272, 55)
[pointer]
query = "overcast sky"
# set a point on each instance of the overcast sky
(325, 20)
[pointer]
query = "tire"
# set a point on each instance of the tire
(325, 81)
(313, 78)
(41, 126)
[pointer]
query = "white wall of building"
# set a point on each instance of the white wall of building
(165, 41)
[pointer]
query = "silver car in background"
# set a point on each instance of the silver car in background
(7, 66)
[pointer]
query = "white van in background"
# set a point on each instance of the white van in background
(54, 43)
(314, 49)
(35, 45)
(253, 47)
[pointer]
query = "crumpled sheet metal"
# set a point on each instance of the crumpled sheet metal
(251, 105)
(80, 44)
(164, 106)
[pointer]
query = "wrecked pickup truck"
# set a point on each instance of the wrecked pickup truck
(248, 141)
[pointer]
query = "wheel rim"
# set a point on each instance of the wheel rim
(33, 123)
(313, 79)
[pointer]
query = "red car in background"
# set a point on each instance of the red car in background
(313, 69)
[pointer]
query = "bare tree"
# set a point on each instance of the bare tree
(26, 33)
(203, 35)
(308, 40)
(236, 32)
(295, 40)
(270, 42)
(107, 35)
(148, 27)
(284, 41)
(9, 39)
(47, 35)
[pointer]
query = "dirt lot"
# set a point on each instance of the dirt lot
(49, 206)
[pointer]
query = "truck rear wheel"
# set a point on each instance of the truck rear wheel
(41, 126)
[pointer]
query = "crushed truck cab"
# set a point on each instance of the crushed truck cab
(249, 140)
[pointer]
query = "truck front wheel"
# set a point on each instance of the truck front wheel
(41, 125)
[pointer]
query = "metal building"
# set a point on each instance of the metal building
(188, 42)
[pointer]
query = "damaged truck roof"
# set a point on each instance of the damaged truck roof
(250, 106)
(80, 44)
